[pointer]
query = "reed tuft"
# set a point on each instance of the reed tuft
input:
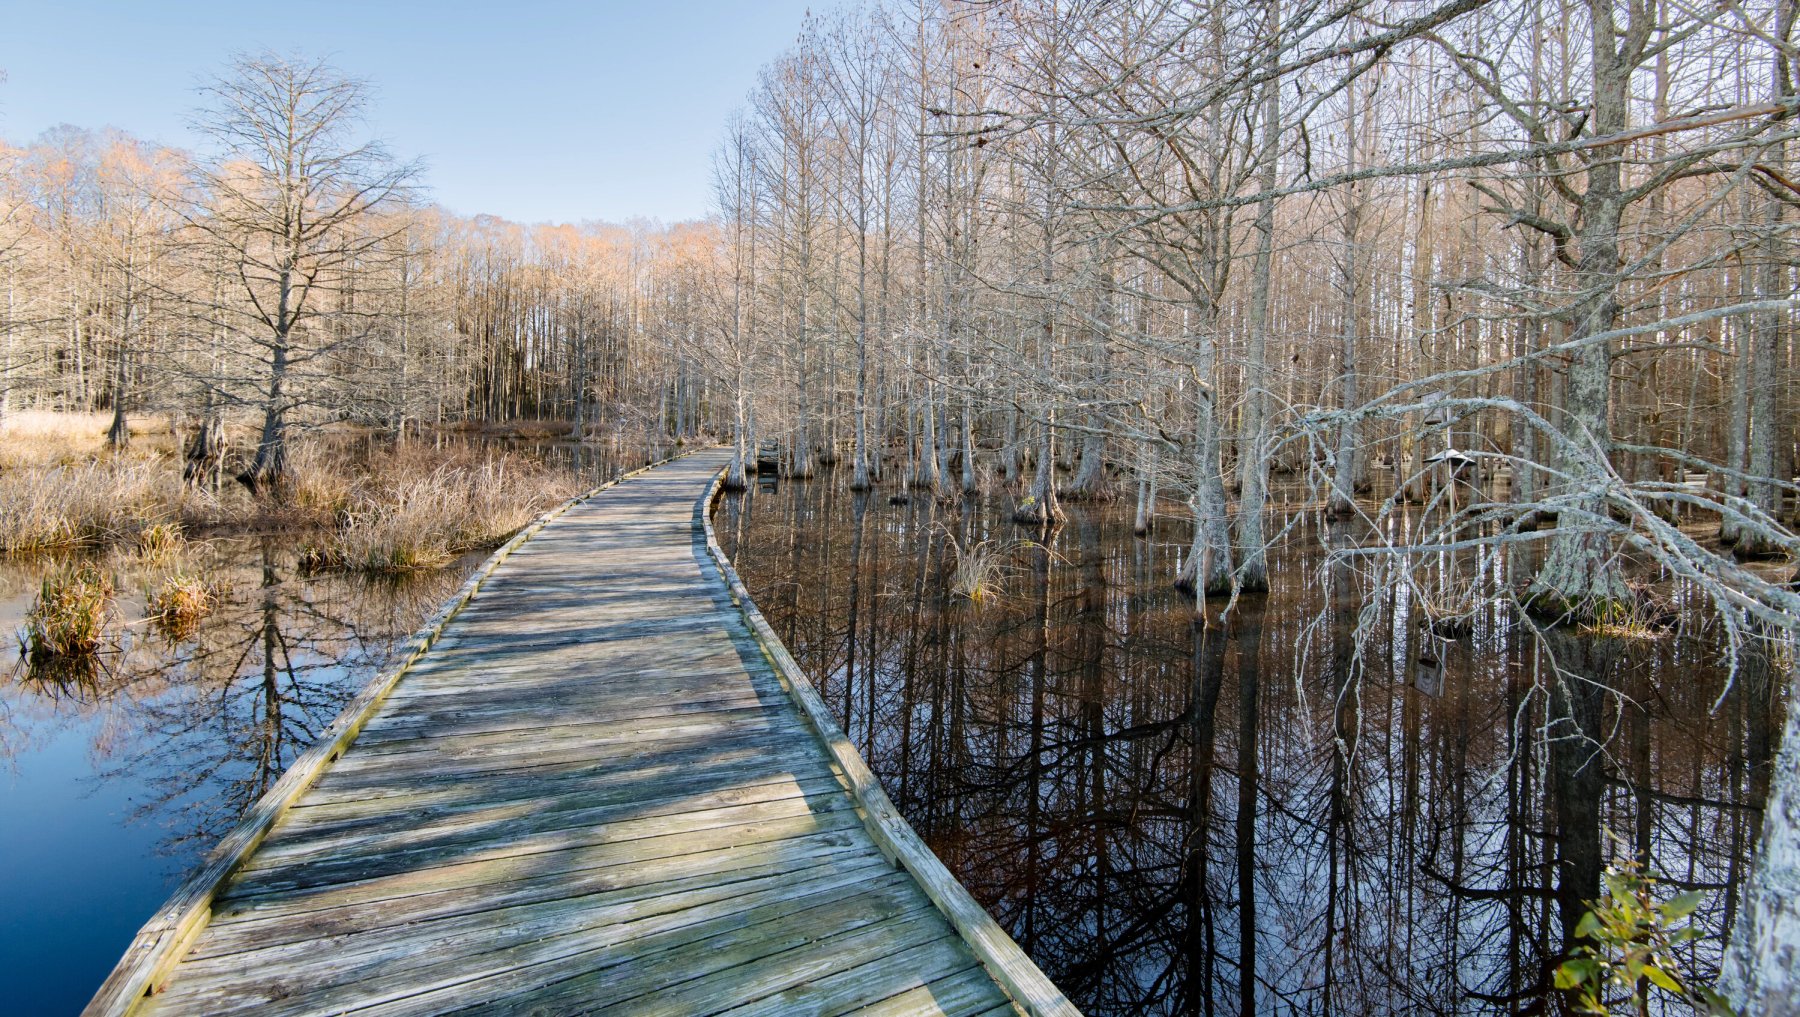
(68, 619)
(161, 543)
(980, 569)
(181, 600)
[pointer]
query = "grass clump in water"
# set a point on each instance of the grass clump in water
(181, 600)
(981, 568)
(409, 531)
(318, 556)
(68, 619)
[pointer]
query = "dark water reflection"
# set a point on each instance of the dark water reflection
(116, 782)
(1273, 813)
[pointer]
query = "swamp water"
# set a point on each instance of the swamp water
(1276, 814)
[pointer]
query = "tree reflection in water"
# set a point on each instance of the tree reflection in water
(1260, 813)
(206, 720)
(236, 702)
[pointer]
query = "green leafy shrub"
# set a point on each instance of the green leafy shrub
(1627, 952)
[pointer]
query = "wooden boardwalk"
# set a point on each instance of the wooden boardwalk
(601, 790)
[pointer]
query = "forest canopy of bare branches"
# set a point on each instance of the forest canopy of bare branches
(1479, 272)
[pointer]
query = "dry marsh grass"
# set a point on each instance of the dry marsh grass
(320, 485)
(397, 530)
(387, 510)
(177, 590)
(37, 438)
(45, 437)
(56, 506)
(420, 509)
(161, 544)
(980, 570)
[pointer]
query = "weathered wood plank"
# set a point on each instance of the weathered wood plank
(537, 794)
(886, 975)
(732, 718)
(394, 777)
(765, 970)
(501, 979)
(517, 822)
(743, 759)
(362, 969)
(700, 965)
(478, 677)
(232, 932)
(667, 830)
(429, 889)
(693, 741)
(967, 993)
(587, 699)
(434, 721)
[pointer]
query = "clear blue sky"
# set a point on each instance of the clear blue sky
(536, 111)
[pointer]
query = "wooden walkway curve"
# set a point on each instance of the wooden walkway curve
(600, 790)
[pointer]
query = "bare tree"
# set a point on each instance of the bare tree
(290, 209)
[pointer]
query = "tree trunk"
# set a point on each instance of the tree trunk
(1039, 507)
(1737, 451)
(1089, 481)
(118, 435)
(1009, 447)
(970, 481)
(1582, 677)
(926, 477)
(204, 456)
(1348, 453)
(1146, 493)
(734, 474)
(1253, 461)
(1768, 471)
(269, 472)
(1579, 578)
(1207, 571)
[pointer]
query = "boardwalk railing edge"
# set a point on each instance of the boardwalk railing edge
(162, 941)
(1029, 987)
